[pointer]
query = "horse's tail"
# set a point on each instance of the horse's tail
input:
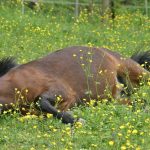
(143, 58)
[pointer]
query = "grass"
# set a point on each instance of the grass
(108, 127)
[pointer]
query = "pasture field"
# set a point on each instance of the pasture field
(108, 126)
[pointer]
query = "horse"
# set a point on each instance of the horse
(71, 74)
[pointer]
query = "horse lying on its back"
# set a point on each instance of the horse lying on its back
(74, 73)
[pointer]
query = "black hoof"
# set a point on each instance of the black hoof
(67, 118)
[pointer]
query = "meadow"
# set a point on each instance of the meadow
(34, 34)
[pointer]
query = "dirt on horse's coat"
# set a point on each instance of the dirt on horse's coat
(74, 73)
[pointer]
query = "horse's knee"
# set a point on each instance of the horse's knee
(65, 105)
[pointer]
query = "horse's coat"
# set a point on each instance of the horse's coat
(74, 73)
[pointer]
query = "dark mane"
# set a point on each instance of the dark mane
(6, 64)
(142, 58)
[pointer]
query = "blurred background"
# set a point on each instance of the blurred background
(42, 26)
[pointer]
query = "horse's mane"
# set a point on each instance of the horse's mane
(6, 64)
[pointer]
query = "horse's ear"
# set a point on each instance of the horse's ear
(7, 64)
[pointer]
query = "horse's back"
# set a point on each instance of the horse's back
(84, 69)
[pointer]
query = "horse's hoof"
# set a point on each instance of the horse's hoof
(67, 118)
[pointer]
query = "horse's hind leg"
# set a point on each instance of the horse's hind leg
(46, 106)
(118, 92)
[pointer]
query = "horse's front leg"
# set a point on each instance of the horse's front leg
(46, 106)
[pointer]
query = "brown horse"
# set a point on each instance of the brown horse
(74, 73)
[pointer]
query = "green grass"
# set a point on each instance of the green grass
(108, 127)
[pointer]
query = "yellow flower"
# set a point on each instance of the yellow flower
(93, 145)
(53, 143)
(78, 124)
(21, 119)
(4, 112)
(28, 113)
(12, 104)
(148, 83)
(129, 131)
(119, 134)
(49, 115)
(128, 143)
(100, 71)
(62, 140)
(18, 92)
(122, 127)
(134, 131)
(111, 143)
(74, 55)
(143, 94)
(26, 90)
(54, 130)
(123, 147)
(141, 133)
(34, 127)
(137, 148)
(22, 97)
(23, 108)
(68, 128)
(38, 136)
